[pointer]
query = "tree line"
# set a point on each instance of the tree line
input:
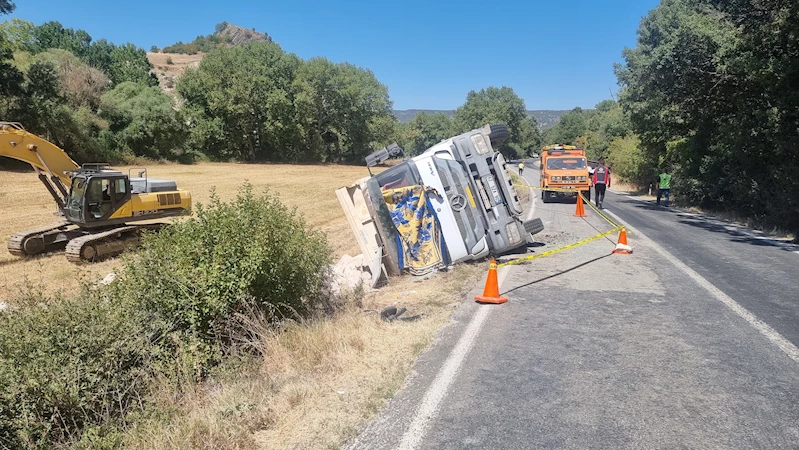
(712, 90)
(252, 102)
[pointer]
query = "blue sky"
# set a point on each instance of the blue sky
(555, 54)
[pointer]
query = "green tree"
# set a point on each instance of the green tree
(500, 105)
(11, 80)
(6, 6)
(142, 121)
(255, 102)
(98, 55)
(710, 89)
(344, 109)
(18, 33)
(426, 130)
(571, 126)
(129, 63)
(244, 92)
(54, 35)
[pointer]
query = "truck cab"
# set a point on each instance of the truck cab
(564, 167)
(476, 203)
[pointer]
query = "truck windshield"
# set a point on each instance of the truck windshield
(566, 163)
(397, 177)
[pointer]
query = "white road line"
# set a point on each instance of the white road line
(428, 408)
(776, 338)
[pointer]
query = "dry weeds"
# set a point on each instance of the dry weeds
(319, 382)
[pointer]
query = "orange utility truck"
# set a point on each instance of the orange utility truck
(564, 167)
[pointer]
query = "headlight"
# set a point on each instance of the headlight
(581, 178)
(555, 178)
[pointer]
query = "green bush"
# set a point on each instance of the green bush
(251, 252)
(72, 370)
(69, 366)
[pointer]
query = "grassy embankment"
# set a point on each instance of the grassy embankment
(321, 380)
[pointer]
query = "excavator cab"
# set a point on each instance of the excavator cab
(94, 197)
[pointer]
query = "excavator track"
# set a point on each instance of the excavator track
(38, 240)
(97, 246)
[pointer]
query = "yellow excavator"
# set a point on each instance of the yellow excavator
(96, 202)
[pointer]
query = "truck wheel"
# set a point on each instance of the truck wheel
(534, 226)
(546, 196)
(498, 134)
(587, 195)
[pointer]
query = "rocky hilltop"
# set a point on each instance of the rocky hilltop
(235, 35)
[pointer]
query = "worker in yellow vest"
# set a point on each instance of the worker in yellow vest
(521, 167)
(664, 187)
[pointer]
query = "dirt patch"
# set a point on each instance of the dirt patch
(171, 66)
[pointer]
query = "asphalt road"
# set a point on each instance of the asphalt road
(760, 274)
(687, 343)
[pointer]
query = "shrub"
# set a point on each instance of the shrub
(251, 252)
(69, 366)
(169, 60)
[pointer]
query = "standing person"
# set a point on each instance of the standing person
(521, 168)
(601, 180)
(664, 187)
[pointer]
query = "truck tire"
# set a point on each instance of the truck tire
(546, 196)
(534, 226)
(587, 195)
(498, 134)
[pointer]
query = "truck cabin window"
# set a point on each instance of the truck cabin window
(78, 189)
(99, 196)
(566, 164)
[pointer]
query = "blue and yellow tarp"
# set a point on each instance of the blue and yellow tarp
(419, 240)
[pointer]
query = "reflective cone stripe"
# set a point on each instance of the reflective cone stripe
(622, 248)
(491, 291)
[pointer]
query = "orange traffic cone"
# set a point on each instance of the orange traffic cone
(622, 248)
(580, 211)
(491, 291)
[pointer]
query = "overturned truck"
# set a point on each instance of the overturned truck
(455, 202)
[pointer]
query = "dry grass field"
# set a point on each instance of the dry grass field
(320, 380)
(25, 203)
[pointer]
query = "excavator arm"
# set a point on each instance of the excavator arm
(50, 162)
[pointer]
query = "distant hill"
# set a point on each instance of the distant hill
(170, 62)
(545, 117)
(225, 34)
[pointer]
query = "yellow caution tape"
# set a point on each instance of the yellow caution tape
(525, 259)
(558, 250)
(601, 214)
(579, 192)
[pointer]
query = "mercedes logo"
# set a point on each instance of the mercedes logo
(458, 202)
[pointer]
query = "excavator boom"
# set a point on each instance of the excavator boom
(50, 162)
